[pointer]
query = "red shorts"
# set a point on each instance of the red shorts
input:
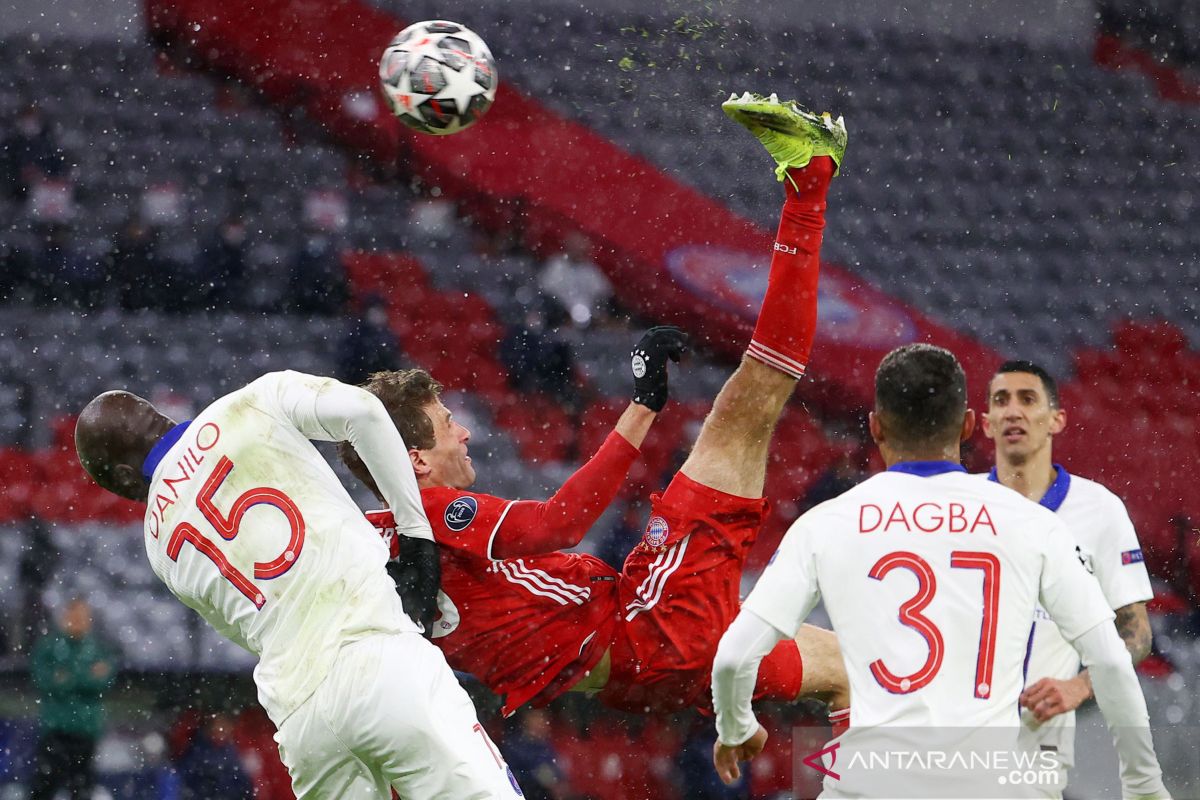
(679, 591)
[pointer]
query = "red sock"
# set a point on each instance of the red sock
(788, 318)
(839, 721)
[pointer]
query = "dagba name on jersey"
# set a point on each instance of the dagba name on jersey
(925, 517)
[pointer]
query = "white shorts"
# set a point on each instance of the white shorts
(391, 714)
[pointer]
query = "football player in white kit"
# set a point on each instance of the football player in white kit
(248, 525)
(1023, 416)
(930, 577)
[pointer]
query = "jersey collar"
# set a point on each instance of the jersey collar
(161, 447)
(1056, 494)
(926, 469)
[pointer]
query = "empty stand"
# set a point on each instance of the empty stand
(985, 181)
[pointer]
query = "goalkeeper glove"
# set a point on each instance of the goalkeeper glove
(414, 566)
(649, 362)
(418, 576)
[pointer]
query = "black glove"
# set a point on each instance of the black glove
(418, 576)
(649, 361)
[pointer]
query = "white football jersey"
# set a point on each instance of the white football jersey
(930, 577)
(248, 524)
(1107, 545)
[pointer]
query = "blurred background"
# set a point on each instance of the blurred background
(194, 192)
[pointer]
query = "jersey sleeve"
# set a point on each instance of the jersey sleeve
(735, 670)
(1118, 562)
(291, 397)
(534, 528)
(1067, 590)
(465, 521)
(787, 590)
(328, 410)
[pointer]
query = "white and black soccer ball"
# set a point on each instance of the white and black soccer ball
(439, 77)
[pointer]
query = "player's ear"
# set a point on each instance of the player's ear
(420, 465)
(1058, 421)
(985, 423)
(968, 425)
(127, 482)
(876, 428)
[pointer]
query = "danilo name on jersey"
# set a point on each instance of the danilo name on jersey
(184, 470)
(925, 518)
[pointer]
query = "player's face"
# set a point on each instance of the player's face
(448, 462)
(1020, 419)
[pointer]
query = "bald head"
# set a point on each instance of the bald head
(113, 436)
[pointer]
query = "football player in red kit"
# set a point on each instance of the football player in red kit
(530, 621)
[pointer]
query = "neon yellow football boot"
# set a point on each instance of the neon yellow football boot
(791, 133)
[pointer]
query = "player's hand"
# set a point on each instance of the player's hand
(726, 758)
(649, 362)
(1050, 697)
(418, 575)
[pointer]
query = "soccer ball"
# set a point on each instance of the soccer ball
(438, 77)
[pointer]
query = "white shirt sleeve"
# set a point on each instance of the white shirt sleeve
(784, 595)
(735, 671)
(327, 410)
(1124, 707)
(1118, 558)
(1083, 616)
(1067, 591)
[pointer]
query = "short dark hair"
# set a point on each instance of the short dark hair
(1048, 382)
(921, 396)
(405, 394)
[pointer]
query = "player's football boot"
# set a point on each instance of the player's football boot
(791, 133)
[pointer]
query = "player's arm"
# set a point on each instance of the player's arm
(416, 570)
(783, 596)
(1124, 707)
(1049, 697)
(1080, 611)
(1123, 578)
(96, 674)
(531, 527)
(740, 737)
(324, 409)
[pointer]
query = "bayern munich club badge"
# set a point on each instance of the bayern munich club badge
(657, 531)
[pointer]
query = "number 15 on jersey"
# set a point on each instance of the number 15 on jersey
(229, 525)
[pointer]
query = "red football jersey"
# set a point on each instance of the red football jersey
(527, 628)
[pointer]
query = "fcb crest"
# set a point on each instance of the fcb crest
(461, 513)
(657, 531)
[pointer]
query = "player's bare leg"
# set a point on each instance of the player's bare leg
(730, 454)
(681, 583)
(824, 671)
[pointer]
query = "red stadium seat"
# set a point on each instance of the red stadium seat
(254, 737)
(800, 452)
(20, 474)
(385, 274)
(72, 496)
(542, 430)
(620, 760)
